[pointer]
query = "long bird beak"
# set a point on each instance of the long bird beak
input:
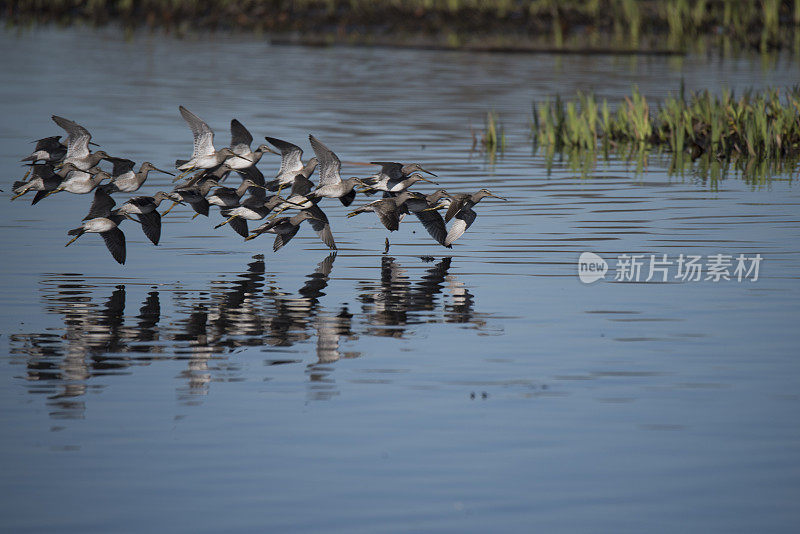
(429, 181)
(165, 172)
(497, 196)
(429, 172)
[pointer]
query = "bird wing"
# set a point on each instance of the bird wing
(202, 133)
(140, 202)
(253, 174)
(434, 224)
(291, 155)
(269, 225)
(463, 221)
(302, 186)
(239, 226)
(392, 169)
(226, 195)
(21, 185)
(282, 239)
(388, 214)
(151, 226)
(101, 205)
(115, 243)
(321, 226)
(48, 143)
(348, 199)
(456, 204)
(200, 206)
(121, 165)
(326, 266)
(78, 137)
(240, 138)
(329, 164)
(39, 196)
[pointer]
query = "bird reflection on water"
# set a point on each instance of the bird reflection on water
(396, 302)
(203, 328)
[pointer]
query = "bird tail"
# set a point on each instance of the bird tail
(76, 231)
(179, 162)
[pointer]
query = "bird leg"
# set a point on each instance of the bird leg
(18, 195)
(229, 219)
(275, 214)
(181, 175)
(169, 208)
(71, 241)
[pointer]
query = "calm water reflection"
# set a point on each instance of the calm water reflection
(99, 338)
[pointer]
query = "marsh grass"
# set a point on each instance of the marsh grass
(492, 139)
(757, 133)
(759, 125)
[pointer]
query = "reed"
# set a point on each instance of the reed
(493, 138)
(757, 133)
(760, 125)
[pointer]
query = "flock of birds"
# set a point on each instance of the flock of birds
(73, 167)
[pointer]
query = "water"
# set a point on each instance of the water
(211, 385)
